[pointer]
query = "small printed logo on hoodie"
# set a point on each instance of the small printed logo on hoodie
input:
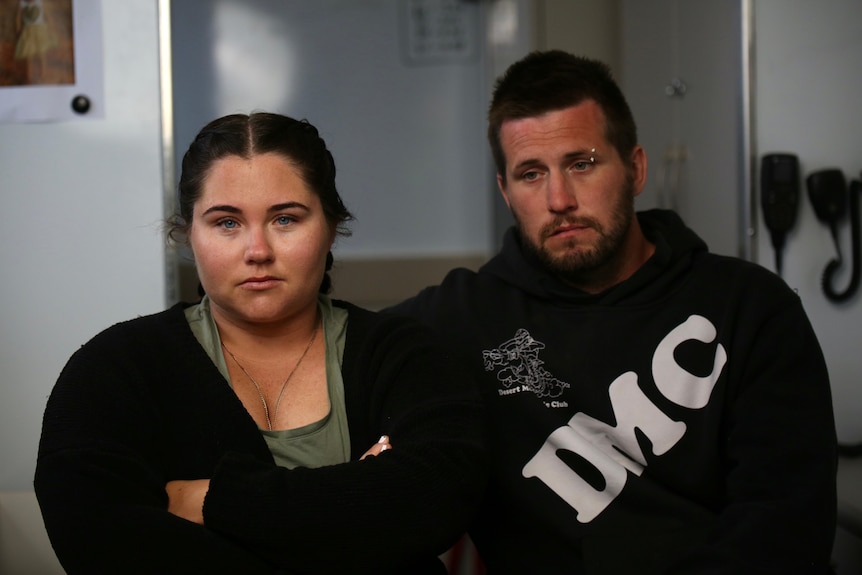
(519, 369)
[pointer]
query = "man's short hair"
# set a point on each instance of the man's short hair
(547, 81)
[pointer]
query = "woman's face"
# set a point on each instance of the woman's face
(260, 240)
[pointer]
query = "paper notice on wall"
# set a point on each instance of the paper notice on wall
(50, 60)
(439, 31)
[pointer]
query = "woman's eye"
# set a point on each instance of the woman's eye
(284, 220)
(227, 224)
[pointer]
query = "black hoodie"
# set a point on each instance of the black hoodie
(678, 422)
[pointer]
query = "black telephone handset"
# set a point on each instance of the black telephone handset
(779, 199)
(827, 191)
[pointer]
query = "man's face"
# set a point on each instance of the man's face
(572, 195)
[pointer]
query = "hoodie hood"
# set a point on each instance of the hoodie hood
(663, 228)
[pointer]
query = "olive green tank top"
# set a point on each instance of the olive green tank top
(324, 442)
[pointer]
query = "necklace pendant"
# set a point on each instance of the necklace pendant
(283, 385)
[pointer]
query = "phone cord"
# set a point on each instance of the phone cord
(834, 265)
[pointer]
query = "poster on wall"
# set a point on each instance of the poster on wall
(439, 31)
(50, 60)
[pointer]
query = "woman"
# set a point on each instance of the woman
(240, 434)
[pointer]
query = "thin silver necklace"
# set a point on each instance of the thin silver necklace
(283, 385)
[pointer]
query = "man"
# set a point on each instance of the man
(655, 408)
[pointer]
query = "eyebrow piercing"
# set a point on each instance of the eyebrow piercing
(593, 158)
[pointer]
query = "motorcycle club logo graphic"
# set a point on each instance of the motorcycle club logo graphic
(519, 368)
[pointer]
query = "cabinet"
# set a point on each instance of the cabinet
(683, 69)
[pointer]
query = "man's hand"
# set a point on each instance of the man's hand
(186, 499)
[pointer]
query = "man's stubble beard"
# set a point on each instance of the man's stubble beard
(579, 264)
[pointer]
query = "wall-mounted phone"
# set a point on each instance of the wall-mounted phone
(827, 191)
(779, 198)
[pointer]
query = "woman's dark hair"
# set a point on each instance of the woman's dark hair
(245, 136)
(548, 81)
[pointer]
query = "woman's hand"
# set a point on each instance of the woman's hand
(379, 447)
(186, 498)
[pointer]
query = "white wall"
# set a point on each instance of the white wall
(808, 57)
(80, 243)
(586, 27)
